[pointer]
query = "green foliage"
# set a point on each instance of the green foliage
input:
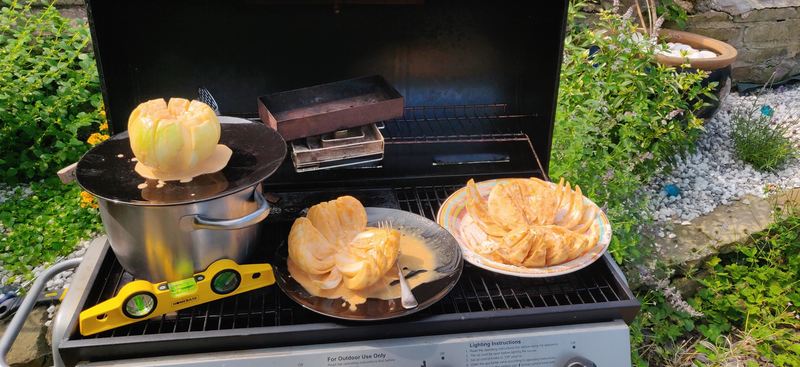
(749, 301)
(657, 333)
(761, 141)
(756, 290)
(39, 227)
(49, 100)
(672, 12)
(620, 117)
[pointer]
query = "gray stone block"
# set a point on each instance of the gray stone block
(60, 3)
(768, 15)
(761, 34)
(732, 35)
(715, 232)
(31, 347)
(710, 16)
(758, 64)
(738, 7)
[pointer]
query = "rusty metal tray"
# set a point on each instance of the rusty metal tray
(330, 107)
(343, 145)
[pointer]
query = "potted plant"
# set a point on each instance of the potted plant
(690, 51)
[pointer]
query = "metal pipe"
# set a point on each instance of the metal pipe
(12, 331)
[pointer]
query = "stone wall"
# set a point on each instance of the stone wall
(765, 32)
(72, 8)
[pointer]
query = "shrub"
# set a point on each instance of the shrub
(754, 289)
(658, 334)
(620, 117)
(49, 100)
(42, 221)
(748, 299)
(760, 140)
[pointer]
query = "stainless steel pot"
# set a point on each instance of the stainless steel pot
(170, 231)
(168, 243)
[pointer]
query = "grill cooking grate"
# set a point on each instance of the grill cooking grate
(477, 290)
(460, 123)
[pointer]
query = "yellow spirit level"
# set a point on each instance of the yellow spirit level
(140, 299)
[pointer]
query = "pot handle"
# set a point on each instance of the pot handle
(200, 222)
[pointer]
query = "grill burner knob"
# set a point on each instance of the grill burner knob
(579, 362)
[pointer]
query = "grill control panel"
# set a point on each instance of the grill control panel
(585, 345)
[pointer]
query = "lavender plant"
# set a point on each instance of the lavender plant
(759, 139)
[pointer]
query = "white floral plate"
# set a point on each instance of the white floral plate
(453, 211)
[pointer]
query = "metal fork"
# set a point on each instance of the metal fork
(406, 296)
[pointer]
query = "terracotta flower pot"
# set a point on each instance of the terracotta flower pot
(719, 68)
(726, 54)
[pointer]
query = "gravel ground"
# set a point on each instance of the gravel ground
(713, 175)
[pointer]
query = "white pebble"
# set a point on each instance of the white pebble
(713, 176)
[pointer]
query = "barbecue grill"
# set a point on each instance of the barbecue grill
(480, 84)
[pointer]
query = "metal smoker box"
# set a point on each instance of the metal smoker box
(330, 107)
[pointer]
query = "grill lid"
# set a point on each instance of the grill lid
(107, 170)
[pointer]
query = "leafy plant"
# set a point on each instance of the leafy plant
(656, 12)
(672, 12)
(748, 299)
(658, 333)
(40, 222)
(621, 116)
(760, 140)
(49, 100)
(755, 290)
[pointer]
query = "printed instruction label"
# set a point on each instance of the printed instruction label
(358, 359)
(510, 353)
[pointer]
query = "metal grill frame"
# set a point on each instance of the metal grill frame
(480, 301)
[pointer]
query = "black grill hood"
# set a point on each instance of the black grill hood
(436, 53)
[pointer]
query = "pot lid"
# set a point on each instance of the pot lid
(107, 170)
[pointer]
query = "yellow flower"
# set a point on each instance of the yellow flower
(87, 200)
(104, 126)
(103, 112)
(96, 138)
